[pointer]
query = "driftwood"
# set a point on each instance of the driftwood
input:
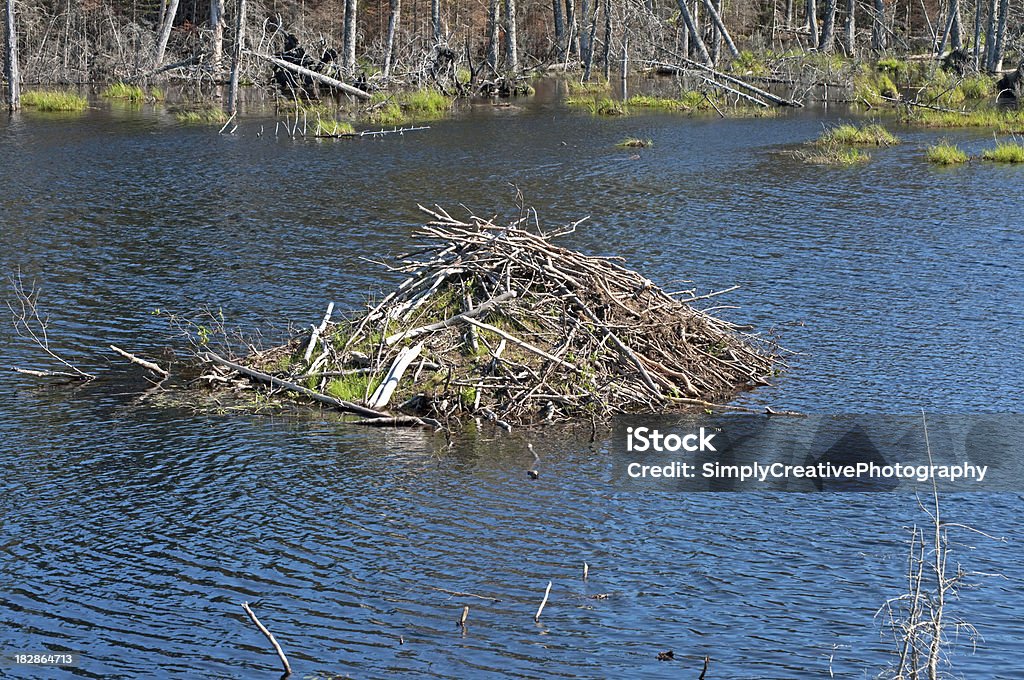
(309, 73)
(536, 617)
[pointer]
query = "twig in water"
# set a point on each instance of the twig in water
(536, 617)
(270, 637)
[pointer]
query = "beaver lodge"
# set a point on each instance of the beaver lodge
(497, 322)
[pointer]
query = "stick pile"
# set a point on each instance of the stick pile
(498, 322)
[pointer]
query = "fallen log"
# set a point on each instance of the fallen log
(764, 94)
(309, 73)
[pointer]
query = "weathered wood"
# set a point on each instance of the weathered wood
(309, 73)
(764, 94)
(383, 393)
(520, 343)
(339, 404)
(547, 592)
(11, 70)
(318, 331)
(236, 57)
(148, 365)
(270, 637)
(460, 318)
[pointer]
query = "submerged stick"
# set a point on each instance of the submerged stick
(536, 617)
(270, 637)
(292, 387)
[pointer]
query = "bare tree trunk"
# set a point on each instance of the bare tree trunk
(789, 13)
(11, 62)
(812, 20)
(721, 33)
(236, 58)
(1000, 45)
(990, 37)
(493, 17)
(165, 33)
(559, 30)
(850, 28)
(878, 27)
(217, 24)
(694, 37)
(607, 40)
(591, 33)
(977, 34)
(585, 36)
(511, 47)
(348, 57)
(435, 19)
(393, 19)
(827, 39)
(952, 31)
(573, 46)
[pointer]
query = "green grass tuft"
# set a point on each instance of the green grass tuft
(945, 153)
(834, 155)
(1005, 152)
(353, 387)
(635, 143)
(208, 114)
(53, 100)
(430, 103)
(132, 93)
(871, 134)
(590, 87)
(978, 87)
(157, 94)
(332, 128)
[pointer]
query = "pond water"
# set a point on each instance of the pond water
(130, 533)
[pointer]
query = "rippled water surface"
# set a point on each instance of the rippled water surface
(129, 533)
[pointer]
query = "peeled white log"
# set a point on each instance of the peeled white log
(382, 395)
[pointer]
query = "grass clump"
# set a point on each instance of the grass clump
(354, 388)
(53, 100)
(873, 88)
(332, 128)
(200, 114)
(132, 93)
(834, 155)
(426, 103)
(750, 64)
(1006, 121)
(589, 87)
(388, 114)
(871, 134)
(635, 143)
(157, 94)
(1005, 152)
(945, 153)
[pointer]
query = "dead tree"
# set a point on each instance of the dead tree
(393, 19)
(572, 48)
(11, 60)
(348, 57)
(511, 48)
(559, 21)
(164, 34)
(878, 27)
(694, 35)
(812, 20)
(1000, 43)
(435, 19)
(827, 39)
(217, 25)
(850, 28)
(990, 36)
(493, 17)
(721, 32)
(236, 57)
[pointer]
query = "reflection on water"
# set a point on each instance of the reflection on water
(130, 534)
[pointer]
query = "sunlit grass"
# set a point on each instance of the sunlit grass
(132, 93)
(945, 153)
(846, 134)
(834, 155)
(53, 100)
(1005, 152)
(208, 114)
(331, 128)
(635, 143)
(1003, 120)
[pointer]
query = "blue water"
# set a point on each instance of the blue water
(130, 531)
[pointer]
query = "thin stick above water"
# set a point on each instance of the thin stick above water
(270, 637)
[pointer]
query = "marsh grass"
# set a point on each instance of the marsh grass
(834, 155)
(53, 100)
(132, 93)
(635, 143)
(1006, 121)
(945, 153)
(200, 114)
(332, 128)
(1005, 152)
(871, 134)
